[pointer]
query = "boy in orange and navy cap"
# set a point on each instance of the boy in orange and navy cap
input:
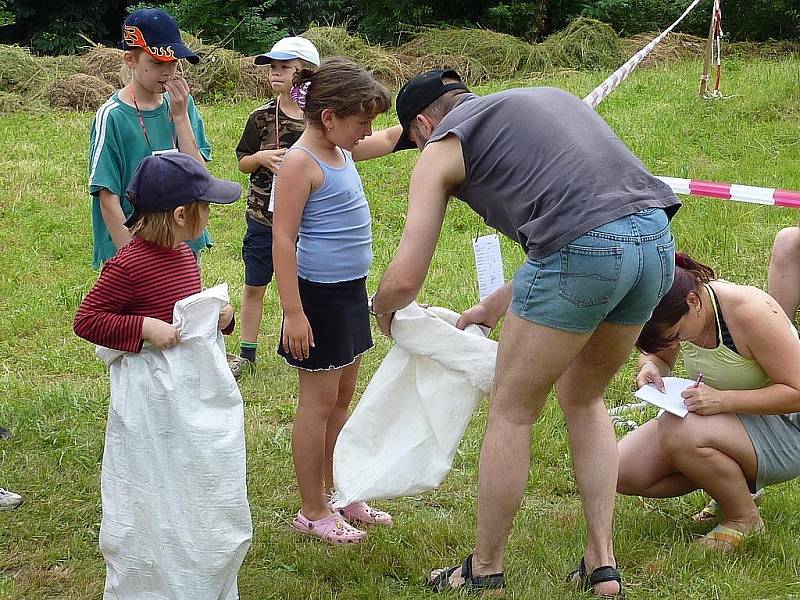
(154, 113)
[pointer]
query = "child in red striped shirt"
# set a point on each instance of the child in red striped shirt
(132, 303)
(132, 300)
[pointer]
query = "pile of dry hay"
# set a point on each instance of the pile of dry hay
(25, 79)
(583, 44)
(79, 92)
(83, 82)
(673, 48)
(104, 63)
(477, 54)
(384, 65)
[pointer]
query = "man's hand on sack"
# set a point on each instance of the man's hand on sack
(488, 311)
(385, 323)
(477, 315)
(161, 334)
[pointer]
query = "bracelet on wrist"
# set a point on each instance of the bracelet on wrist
(372, 310)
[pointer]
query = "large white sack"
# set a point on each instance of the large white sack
(405, 430)
(176, 522)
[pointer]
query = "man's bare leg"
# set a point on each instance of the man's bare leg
(530, 358)
(592, 439)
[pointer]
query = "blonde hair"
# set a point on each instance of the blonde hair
(158, 227)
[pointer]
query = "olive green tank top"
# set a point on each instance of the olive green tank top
(722, 368)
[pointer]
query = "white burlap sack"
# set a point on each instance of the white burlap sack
(402, 436)
(176, 523)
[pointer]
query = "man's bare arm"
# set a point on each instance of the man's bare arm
(439, 171)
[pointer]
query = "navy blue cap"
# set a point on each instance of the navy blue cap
(157, 33)
(417, 94)
(166, 181)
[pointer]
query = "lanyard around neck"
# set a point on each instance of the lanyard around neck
(277, 125)
(141, 119)
(144, 127)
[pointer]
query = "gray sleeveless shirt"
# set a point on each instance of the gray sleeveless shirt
(543, 168)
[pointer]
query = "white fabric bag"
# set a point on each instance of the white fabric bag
(405, 430)
(176, 522)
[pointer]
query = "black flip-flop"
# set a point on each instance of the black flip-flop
(493, 584)
(599, 575)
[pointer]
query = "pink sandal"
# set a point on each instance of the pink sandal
(332, 529)
(361, 512)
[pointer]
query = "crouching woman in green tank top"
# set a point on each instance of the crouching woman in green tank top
(742, 432)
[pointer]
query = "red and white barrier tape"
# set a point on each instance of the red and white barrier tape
(735, 192)
(618, 76)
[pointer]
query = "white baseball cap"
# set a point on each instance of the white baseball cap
(289, 48)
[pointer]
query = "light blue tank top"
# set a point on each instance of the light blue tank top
(335, 238)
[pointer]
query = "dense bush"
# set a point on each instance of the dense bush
(251, 26)
(243, 25)
(392, 21)
(741, 19)
(55, 26)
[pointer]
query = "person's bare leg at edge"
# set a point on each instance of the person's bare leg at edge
(505, 453)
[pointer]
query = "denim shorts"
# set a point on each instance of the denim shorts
(617, 272)
(257, 253)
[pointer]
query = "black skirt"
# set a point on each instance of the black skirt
(339, 320)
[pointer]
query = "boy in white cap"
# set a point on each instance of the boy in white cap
(269, 131)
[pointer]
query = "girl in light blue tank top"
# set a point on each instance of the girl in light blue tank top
(322, 250)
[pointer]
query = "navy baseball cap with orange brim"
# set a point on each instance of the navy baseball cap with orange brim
(156, 33)
(417, 94)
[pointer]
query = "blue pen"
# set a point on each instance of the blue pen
(699, 379)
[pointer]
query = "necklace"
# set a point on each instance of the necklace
(713, 325)
(696, 352)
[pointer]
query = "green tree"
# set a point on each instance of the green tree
(54, 26)
(244, 25)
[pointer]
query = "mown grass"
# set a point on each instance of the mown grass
(54, 392)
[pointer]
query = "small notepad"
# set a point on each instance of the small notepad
(489, 263)
(671, 401)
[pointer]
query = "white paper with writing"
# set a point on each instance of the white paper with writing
(489, 264)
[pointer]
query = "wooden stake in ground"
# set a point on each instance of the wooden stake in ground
(709, 51)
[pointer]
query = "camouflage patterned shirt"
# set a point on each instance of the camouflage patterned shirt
(259, 134)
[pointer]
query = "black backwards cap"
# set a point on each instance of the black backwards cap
(417, 94)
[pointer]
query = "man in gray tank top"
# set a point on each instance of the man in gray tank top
(545, 170)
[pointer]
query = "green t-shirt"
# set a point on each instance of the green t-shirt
(117, 145)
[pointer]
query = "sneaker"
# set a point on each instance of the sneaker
(9, 500)
(237, 364)
(5, 434)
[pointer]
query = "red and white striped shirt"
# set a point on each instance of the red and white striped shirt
(142, 280)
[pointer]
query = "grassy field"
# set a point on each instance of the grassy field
(54, 392)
